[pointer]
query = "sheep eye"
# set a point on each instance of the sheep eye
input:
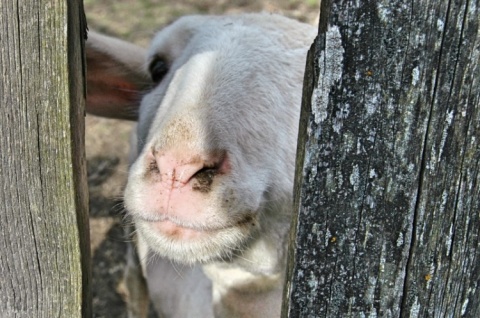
(158, 69)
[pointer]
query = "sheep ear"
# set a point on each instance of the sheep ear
(116, 77)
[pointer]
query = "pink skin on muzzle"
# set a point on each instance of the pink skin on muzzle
(178, 187)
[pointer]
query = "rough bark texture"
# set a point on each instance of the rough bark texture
(44, 250)
(388, 185)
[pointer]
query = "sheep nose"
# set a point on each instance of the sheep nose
(178, 168)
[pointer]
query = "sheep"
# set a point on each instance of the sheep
(217, 101)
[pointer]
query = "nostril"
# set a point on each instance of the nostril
(205, 174)
(216, 165)
(179, 168)
(203, 178)
(153, 167)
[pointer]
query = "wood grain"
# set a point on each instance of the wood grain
(388, 188)
(44, 251)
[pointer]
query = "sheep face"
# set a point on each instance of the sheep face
(216, 135)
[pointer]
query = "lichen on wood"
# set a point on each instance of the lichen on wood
(387, 188)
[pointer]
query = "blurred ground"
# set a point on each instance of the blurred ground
(107, 140)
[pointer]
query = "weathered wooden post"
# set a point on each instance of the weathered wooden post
(388, 184)
(44, 248)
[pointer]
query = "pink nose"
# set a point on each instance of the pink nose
(178, 168)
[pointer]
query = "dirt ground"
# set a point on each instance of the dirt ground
(107, 140)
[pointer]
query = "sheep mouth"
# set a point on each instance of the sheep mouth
(189, 244)
(180, 230)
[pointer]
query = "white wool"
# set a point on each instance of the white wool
(234, 84)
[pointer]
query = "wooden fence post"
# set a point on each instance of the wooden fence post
(388, 186)
(44, 242)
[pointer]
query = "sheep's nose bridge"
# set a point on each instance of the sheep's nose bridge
(180, 129)
(186, 114)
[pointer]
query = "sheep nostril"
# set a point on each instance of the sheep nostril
(205, 175)
(178, 169)
(203, 179)
(153, 167)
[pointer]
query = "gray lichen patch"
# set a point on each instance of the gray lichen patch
(331, 72)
